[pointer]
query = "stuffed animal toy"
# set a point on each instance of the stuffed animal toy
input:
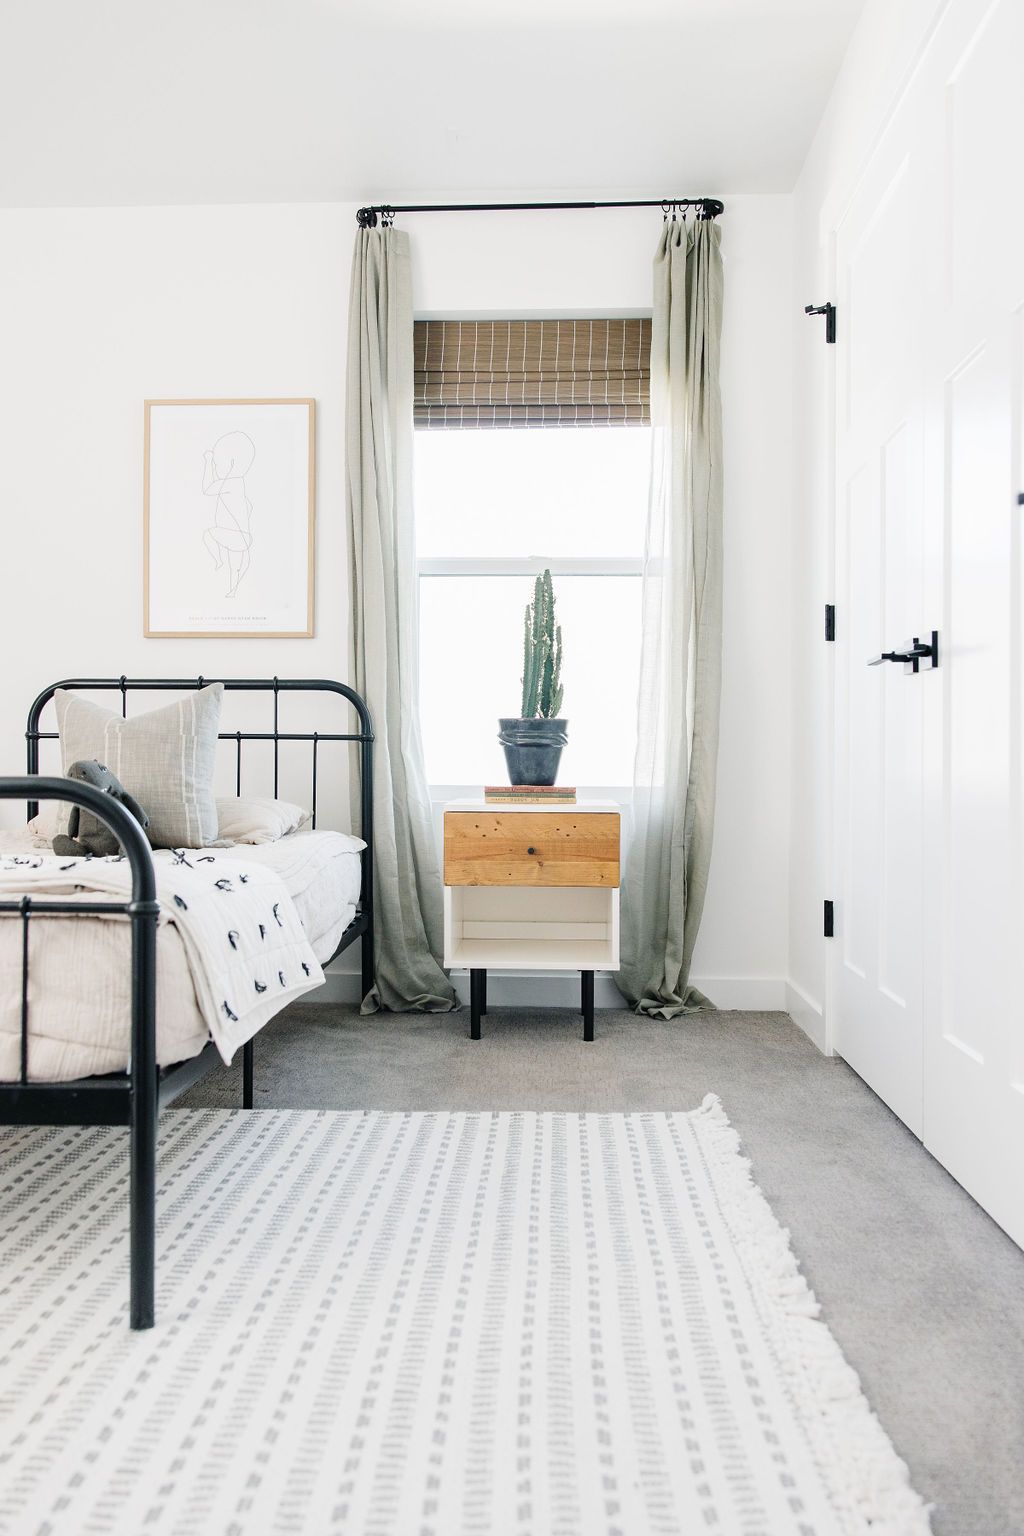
(86, 833)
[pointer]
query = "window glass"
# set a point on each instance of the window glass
(552, 492)
(471, 666)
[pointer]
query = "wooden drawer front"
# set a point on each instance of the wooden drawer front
(548, 848)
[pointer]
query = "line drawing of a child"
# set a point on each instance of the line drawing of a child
(225, 467)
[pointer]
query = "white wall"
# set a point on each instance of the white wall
(100, 308)
(882, 53)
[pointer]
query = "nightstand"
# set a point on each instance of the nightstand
(530, 888)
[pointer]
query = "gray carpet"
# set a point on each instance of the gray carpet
(923, 1292)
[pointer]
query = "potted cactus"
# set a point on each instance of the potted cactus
(533, 743)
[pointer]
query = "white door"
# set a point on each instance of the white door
(974, 1036)
(929, 959)
(880, 605)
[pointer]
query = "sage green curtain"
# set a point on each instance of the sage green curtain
(384, 632)
(681, 652)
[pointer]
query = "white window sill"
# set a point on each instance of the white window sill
(440, 794)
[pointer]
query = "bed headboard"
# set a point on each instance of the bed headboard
(273, 687)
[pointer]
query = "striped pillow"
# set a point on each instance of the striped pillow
(164, 758)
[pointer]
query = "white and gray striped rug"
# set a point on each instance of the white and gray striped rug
(423, 1324)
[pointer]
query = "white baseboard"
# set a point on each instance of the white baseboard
(808, 1014)
(752, 994)
(561, 989)
(338, 987)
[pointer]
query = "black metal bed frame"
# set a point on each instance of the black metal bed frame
(135, 1098)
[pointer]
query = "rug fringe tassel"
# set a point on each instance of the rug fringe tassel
(877, 1499)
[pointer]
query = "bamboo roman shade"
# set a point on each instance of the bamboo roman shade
(531, 373)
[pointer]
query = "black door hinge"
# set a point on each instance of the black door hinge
(830, 920)
(829, 311)
(830, 621)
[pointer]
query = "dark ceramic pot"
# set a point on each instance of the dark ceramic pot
(533, 749)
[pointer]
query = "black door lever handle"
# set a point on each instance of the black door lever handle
(913, 655)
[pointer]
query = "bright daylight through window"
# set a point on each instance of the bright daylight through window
(493, 508)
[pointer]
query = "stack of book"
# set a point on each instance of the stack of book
(530, 794)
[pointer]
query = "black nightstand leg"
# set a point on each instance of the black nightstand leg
(587, 999)
(477, 997)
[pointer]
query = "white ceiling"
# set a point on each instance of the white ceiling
(174, 101)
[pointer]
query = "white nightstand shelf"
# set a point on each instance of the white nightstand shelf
(531, 888)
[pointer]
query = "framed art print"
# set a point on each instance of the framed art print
(230, 496)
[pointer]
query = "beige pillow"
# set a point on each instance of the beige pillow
(164, 758)
(254, 820)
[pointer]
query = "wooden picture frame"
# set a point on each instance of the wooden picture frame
(229, 519)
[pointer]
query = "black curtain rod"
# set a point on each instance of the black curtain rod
(366, 218)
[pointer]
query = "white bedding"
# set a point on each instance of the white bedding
(322, 872)
(79, 998)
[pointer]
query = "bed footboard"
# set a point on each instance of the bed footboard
(130, 1099)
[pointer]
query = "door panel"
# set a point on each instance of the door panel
(977, 720)
(974, 1106)
(877, 985)
(899, 966)
(983, 138)
(929, 831)
(864, 744)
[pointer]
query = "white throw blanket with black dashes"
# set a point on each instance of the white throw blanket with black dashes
(247, 950)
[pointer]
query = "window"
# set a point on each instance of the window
(495, 506)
